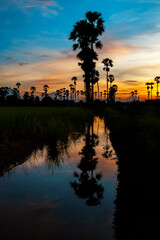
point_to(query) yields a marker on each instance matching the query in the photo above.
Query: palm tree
(111, 79)
(107, 64)
(85, 33)
(112, 93)
(97, 28)
(135, 93)
(132, 95)
(74, 79)
(45, 89)
(18, 85)
(105, 94)
(157, 79)
(95, 95)
(148, 89)
(78, 94)
(67, 94)
(71, 90)
(152, 83)
(33, 90)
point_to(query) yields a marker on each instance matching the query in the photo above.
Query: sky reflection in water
(38, 199)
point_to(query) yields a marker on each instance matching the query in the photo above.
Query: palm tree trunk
(98, 89)
(75, 93)
(157, 91)
(92, 91)
(107, 86)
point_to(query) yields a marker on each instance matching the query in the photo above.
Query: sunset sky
(35, 50)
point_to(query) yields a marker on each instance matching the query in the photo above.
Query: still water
(69, 197)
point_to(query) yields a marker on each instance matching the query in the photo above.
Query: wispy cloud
(49, 7)
(23, 63)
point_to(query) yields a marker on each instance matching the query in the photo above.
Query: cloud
(132, 82)
(10, 59)
(141, 1)
(23, 63)
(44, 56)
(46, 7)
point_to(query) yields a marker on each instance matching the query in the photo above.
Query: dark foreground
(65, 175)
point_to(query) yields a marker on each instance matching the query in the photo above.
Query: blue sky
(35, 49)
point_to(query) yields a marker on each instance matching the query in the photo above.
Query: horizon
(35, 49)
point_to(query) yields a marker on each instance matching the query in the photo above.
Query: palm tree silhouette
(18, 85)
(85, 33)
(112, 93)
(97, 28)
(132, 95)
(33, 90)
(157, 80)
(87, 186)
(72, 89)
(148, 89)
(111, 79)
(107, 64)
(45, 89)
(152, 83)
(74, 79)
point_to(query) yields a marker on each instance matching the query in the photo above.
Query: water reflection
(86, 185)
(47, 195)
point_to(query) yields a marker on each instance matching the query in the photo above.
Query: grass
(25, 129)
(41, 122)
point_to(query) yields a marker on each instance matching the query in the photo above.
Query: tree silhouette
(74, 79)
(3, 93)
(107, 64)
(15, 93)
(86, 185)
(157, 80)
(18, 85)
(112, 93)
(26, 96)
(85, 33)
(148, 89)
(45, 89)
(111, 79)
(152, 83)
(33, 90)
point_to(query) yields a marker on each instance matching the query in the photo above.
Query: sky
(35, 50)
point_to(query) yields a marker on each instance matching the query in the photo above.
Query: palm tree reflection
(86, 185)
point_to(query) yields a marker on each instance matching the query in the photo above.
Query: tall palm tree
(107, 64)
(74, 79)
(71, 90)
(97, 28)
(148, 89)
(157, 80)
(111, 79)
(152, 83)
(85, 33)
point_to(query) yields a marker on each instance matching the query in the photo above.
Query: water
(67, 192)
